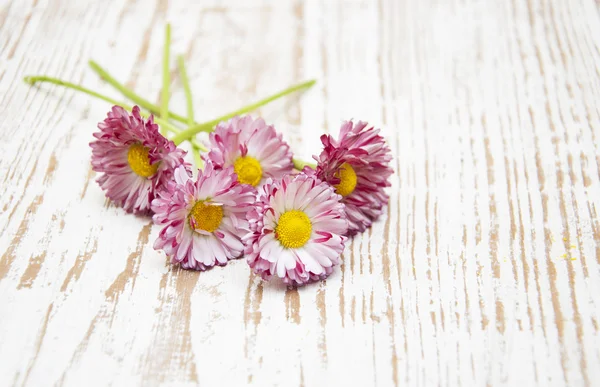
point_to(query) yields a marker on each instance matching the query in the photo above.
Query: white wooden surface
(485, 271)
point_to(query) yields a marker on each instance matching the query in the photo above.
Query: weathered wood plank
(485, 269)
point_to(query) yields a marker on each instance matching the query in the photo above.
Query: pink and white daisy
(202, 220)
(297, 230)
(254, 149)
(134, 159)
(357, 165)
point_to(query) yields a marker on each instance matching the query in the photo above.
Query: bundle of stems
(167, 120)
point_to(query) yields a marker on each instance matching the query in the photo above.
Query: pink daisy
(357, 165)
(253, 148)
(201, 219)
(134, 159)
(297, 230)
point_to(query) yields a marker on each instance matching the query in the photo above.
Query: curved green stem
(164, 124)
(197, 159)
(198, 145)
(300, 164)
(186, 88)
(166, 76)
(32, 80)
(207, 126)
(135, 98)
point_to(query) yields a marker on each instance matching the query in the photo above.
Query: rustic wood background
(484, 271)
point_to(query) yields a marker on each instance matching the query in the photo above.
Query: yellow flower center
(138, 160)
(347, 178)
(205, 217)
(248, 170)
(293, 229)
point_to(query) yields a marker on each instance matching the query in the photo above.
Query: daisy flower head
(357, 166)
(297, 229)
(202, 219)
(134, 159)
(254, 150)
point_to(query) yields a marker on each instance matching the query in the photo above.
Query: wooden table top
(484, 270)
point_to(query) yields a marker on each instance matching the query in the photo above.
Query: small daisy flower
(134, 159)
(297, 230)
(202, 219)
(254, 149)
(357, 165)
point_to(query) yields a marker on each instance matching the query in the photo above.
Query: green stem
(198, 146)
(197, 159)
(207, 126)
(143, 103)
(186, 87)
(32, 80)
(164, 124)
(300, 164)
(164, 96)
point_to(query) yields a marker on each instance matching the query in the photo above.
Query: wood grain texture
(485, 269)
